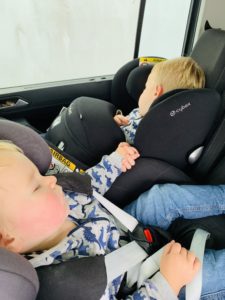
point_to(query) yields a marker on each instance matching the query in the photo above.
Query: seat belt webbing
(124, 258)
(193, 289)
(130, 255)
(124, 218)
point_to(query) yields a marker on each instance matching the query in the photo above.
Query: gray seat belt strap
(123, 259)
(128, 259)
(193, 289)
(149, 266)
(131, 255)
(124, 218)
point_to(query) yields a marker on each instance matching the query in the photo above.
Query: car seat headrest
(209, 52)
(129, 82)
(87, 130)
(18, 279)
(136, 81)
(178, 125)
(33, 145)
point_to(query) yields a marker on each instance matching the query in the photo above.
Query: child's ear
(6, 241)
(158, 90)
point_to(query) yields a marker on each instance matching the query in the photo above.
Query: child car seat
(167, 134)
(212, 59)
(18, 279)
(127, 86)
(80, 130)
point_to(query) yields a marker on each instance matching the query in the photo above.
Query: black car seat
(209, 52)
(166, 138)
(176, 148)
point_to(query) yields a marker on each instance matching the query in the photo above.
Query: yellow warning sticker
(66, 162)
(150, 60)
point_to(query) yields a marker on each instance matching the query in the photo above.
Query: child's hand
(178, 266)
(128, 154)
(121, 120)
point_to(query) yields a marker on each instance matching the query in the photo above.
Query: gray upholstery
(209, 52)
(33, 145)
(18, 279)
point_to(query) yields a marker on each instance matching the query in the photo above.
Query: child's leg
(166, 202)
(213, 281)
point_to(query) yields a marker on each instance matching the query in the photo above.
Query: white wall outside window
(164, 28)
(56, 40)
(51, 40)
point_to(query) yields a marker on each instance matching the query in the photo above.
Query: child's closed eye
(36, 188)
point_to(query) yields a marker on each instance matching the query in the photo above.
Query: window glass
(54, 40)
(164, 27)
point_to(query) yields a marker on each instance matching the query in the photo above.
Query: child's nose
(51, 181)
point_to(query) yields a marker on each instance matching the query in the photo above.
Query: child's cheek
(44, 217)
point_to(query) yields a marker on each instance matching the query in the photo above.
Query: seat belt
(128, 221)
(193, 289)
(130, 255)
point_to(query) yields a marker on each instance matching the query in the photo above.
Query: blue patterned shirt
(130, 129)
(96, 233)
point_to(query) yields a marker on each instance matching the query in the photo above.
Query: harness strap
(130, 257)
(193, 289)
(124, 218)
(123, 259)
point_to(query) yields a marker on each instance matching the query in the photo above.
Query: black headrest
(179, 124)
(87, 130)
(209, 52)
(129, 82)
(136, 81)
(119, 94)
(33, 145)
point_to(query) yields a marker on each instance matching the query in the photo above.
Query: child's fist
(121, 120)
(178, 266)
(128, 154)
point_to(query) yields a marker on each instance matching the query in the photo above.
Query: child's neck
(56, 238)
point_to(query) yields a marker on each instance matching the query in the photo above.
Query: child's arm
(129, 124)
(111, 166)
(178, 267)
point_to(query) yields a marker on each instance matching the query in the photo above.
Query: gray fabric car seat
(18, 279)
(209, 52)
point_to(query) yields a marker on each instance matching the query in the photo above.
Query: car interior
(198, 159)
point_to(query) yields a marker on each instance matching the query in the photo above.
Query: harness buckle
(150, 238)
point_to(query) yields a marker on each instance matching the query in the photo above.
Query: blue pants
(166, 202)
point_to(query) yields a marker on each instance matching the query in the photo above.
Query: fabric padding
(209, 52)
(87, 129)
(178, 125)
(184, 229)
(18, 279)
(136, 81)
(33, 145)
(83, 278)
(146, 172)
(119, 94)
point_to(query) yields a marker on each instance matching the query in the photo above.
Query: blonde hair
(179, 73)
(9, 146)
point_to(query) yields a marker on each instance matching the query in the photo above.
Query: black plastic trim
(191, 27)
(139, 27)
